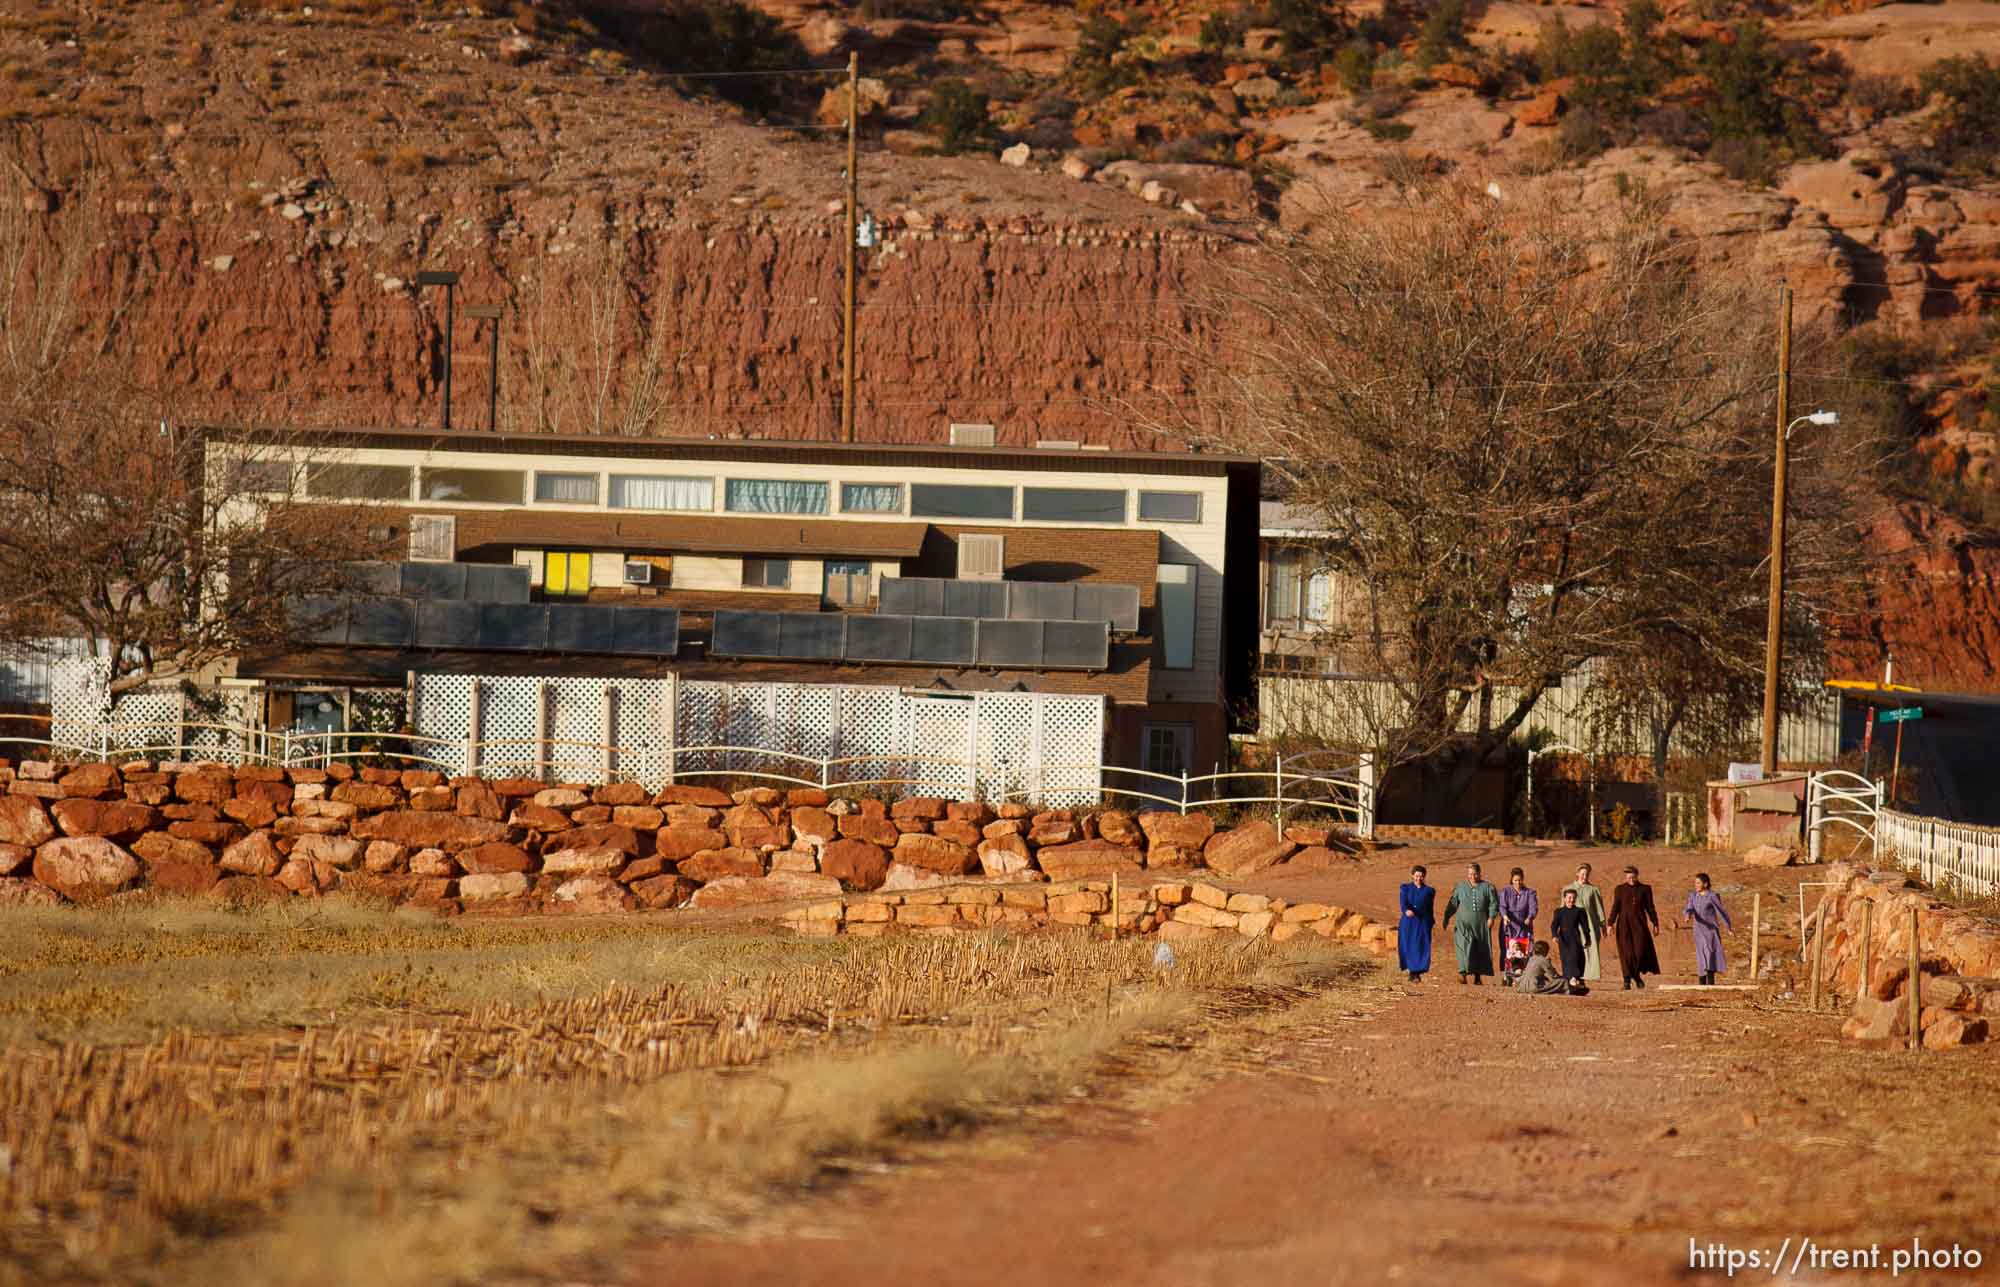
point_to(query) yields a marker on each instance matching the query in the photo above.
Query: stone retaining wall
(93, 831)
(1177, 911)
(1958, 957)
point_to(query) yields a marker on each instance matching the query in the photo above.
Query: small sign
(1904, 715)
(1746, 773)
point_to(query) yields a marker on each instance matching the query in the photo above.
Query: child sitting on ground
(1540, 976)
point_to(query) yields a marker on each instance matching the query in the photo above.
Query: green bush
(956, 114)
(1355, 65)
(706, 36)
(1309, 26)
(1443, 32)
(1967, 138)
(1096, 64)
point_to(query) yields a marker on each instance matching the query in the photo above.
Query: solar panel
(1076, 645)
(812, 636)
(320, 618)
(447, 623)
(943, 641)
(912, 596)
(973, 599)
(1117, 604)
(496, 582)
(514, 627)
(746, 634)
(878, 638)
(373, 578)
(434, 580)
(645, 632)
(579, 628)
(374, 622)
(1014, 644)
(1041, 600)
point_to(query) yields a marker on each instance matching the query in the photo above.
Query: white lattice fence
(585, 730)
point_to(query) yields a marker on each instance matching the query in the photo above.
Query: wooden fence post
(1756, 924)
(1867, 921)
(1916, 986)
(1819, 952)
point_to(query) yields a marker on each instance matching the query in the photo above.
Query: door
(1167, 748)
(847, 582)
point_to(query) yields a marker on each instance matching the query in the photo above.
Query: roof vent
(1055, 444)
(971, 435)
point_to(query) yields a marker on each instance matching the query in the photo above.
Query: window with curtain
(661, 491)
(566, 489)
(773, 496)
(1176, 587)
(1281, 586)
(359, 482)
(871, 498)
(483, 486)
(1319, 595)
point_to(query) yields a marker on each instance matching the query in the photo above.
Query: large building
(769, 555)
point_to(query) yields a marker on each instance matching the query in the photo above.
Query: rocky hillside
(1052, 186)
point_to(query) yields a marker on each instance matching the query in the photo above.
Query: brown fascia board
(671, 534)
(765, 450)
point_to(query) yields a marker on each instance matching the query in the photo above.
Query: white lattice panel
(871, 733)
(1006, 744)
(216, 724)
(940, 742)
(512, 710)
(1071, 740)
(79, 700)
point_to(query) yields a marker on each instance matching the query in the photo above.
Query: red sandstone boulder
(935, 853)
(1088, 858)
(677, 843)
(184, 878)
(246, 891)
(707, 797)
(1250, 847)
(250, 813)
(247, 773)
(538, 817)
(963, 832)
(487, 887)
(663, 891)
(420, 779)
(205, 833)
(514, 788)
(602, 835)
(644, 869)
(875, 830)
(976, 812)
(1187, 830)
(254, 855)
(590, 896)
(1004, 855)
(715, 864)
(495, 858)
(432, 798)
(205, 786)
(447, 831)
(27, 893)
(1944, 1029)
(13, 856)
(1054, 829)
(23, 821)
(591, 860)
(84, 869)
(116, 819)
(335, 851)
(364, 795)
(276, 794)
(759, 795)
(158, 847)
(639, 817)
(1120, 828)
(433, 864)
(617, 793)
(742, 891)
(748, 826)
(855, 863)
(918, 808)
(475, 798)
(93, 781)
(806, 798)
(1315, 857)
(814, 822)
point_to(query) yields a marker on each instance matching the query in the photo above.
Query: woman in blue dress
(1413, 927)
(1708, 918)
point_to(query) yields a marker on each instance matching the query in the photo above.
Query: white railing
(1965, 855)
(1836, 797)
(1313, 782)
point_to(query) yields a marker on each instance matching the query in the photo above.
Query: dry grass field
(338, 1094)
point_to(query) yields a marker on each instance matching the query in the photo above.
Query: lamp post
(448, 280)
(1774, 622)
(490, 313)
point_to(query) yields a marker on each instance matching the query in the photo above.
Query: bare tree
(600, 357)
(1536, 439)
(116, 524)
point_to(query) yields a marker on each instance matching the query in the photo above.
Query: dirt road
(1454, 1135)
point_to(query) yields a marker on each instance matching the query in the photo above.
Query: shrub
(1443, 31)
(1355, 65)
(920, 10)
(1309, 26)
(956, 114)
(1755, 98)
(1096, 63)
(409, 160)
(706, 36)
(1968, 133)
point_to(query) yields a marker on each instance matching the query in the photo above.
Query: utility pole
(853, 204)
(1774, 624)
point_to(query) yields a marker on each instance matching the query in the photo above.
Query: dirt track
(1458, 1134)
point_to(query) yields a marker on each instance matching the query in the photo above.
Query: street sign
(1900, 716)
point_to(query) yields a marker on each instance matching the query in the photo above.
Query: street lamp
(1775, 620)
(448, 280)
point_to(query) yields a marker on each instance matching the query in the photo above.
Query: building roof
(934, 454)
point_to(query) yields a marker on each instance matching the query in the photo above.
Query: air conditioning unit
(638, 574)
(982, 557)
(963, 435)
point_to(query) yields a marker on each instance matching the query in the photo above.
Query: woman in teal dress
(1477, 905)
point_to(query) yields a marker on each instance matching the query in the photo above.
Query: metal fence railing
(1298, 784)
(1958, 853)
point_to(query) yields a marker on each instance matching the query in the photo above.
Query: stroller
(1514, 957)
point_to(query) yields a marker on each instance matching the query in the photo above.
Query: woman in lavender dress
(1518, 908)
(1708, 918)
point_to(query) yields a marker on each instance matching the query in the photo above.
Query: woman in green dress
(1591, 899)
(1477, 905)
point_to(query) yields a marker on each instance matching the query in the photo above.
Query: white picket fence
(1959, 853)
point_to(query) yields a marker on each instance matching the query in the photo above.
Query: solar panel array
(382, 621)
(902, 638)
(471, 582)
(933, 596)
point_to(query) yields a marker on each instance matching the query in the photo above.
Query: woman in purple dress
(1706, 915)
(1518, 908)
(1413, 927)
